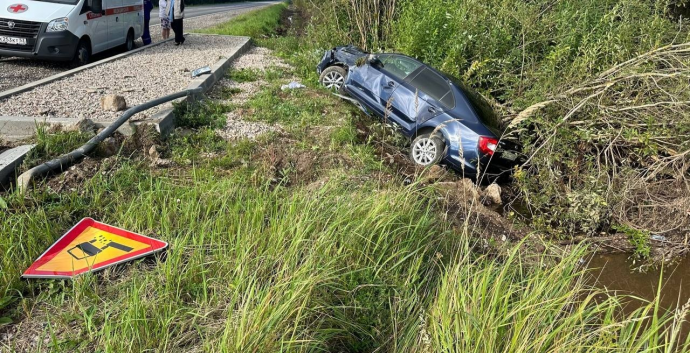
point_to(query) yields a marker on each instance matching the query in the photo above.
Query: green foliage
(639, 239)
(201, 114)
(523, 51)
(244, 75)
(52, 144)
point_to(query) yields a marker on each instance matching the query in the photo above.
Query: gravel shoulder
(141, 77)
(259, 59)
(17, 72)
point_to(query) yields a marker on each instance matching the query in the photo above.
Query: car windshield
(480, 105)
(65, 2)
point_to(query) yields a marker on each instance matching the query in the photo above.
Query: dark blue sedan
(447, 122)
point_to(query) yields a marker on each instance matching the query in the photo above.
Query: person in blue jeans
(146, 37)
(175, 11)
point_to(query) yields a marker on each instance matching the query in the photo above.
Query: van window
(435, 86)
(66, 2)
(95, 6)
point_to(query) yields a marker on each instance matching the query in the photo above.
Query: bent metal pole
(24, 180)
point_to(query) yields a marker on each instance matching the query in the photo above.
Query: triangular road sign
(91, 246)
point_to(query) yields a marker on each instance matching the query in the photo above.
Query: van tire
(82, 55)
(129, 42)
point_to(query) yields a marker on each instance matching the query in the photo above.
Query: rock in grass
(493, 194)
(113, 103)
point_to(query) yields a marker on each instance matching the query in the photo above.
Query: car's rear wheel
(427, 149)
(334, 78)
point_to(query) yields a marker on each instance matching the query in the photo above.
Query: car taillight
(487, 145)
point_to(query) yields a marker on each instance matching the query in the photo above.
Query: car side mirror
(374, 60)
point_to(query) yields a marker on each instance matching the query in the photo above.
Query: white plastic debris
(292, 85)
(658, 237)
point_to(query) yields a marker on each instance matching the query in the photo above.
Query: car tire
(82, 55)
(129, 42)
(333, 78)
(427, 150)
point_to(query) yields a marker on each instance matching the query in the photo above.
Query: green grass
(269, 256)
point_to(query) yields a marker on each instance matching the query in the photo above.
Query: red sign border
(33, 272)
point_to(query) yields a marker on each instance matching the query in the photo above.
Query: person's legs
(179, 35)
(177, 28)
(165, 28)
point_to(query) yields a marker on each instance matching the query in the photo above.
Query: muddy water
(616, 272)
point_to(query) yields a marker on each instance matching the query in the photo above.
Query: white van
(64, 30)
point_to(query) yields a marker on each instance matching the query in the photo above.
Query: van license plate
(12, 40)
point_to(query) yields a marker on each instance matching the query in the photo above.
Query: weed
(244, 75)
(639, 239)
(201, 114)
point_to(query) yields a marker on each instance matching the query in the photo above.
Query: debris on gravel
(141, 77)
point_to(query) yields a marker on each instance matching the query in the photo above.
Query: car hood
(38, 11)
(348, 55)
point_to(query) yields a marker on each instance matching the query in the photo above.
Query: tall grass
(252, 268)
(352, 263)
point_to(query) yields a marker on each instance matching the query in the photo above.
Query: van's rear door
(116, 22)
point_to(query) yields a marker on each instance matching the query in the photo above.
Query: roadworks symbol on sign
(91, 246)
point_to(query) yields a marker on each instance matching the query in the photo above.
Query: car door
(364, 83)
(405, 103)
(97, 24)
(116, 20)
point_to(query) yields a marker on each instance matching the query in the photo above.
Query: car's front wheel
(82, 55)
(334, 78)
(427, 149)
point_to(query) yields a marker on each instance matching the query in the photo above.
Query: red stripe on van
(121, 10)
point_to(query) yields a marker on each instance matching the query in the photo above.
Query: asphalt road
(202, 10)
(15, 72)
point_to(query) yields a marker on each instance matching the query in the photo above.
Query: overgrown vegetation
(304, 240)
(601, 87)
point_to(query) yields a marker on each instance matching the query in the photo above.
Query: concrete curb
(10, 160)
(32, 85)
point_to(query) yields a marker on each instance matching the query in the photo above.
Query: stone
(492, 193)
(468, 188)
(83, 125)
(153, 153)
(113, 103)
(109, 146)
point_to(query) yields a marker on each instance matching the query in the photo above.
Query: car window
(433, 85)
(480, 106)
(398, 65)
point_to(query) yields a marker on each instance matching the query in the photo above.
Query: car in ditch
(445, 120)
